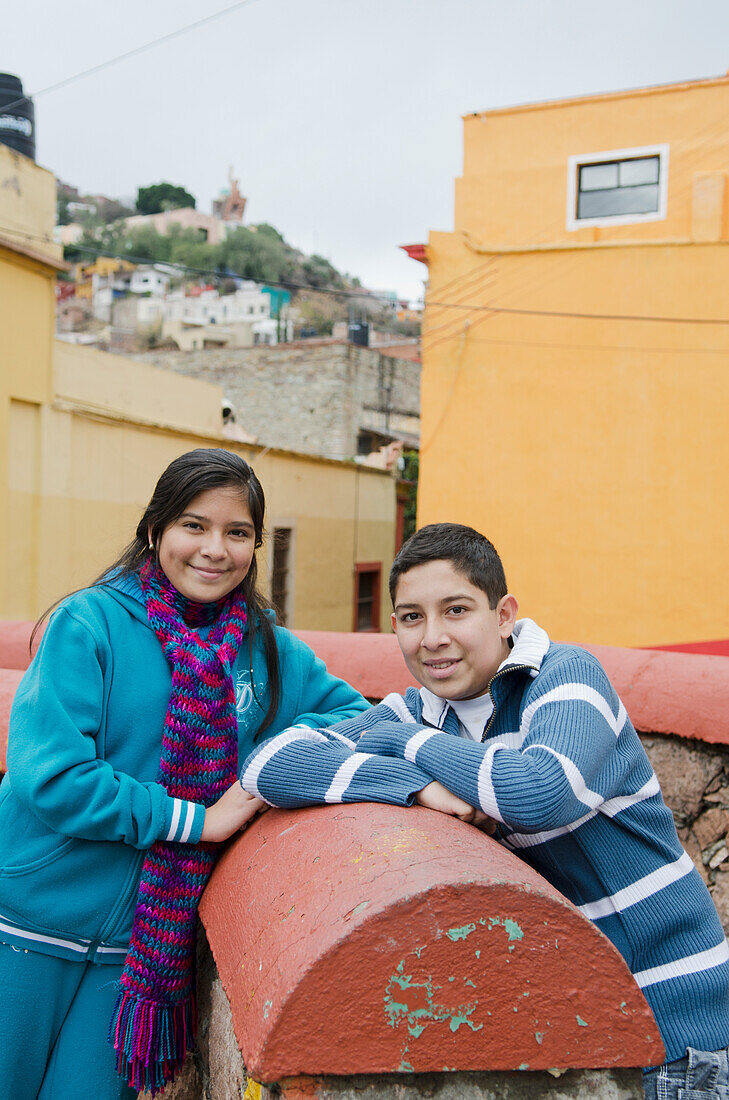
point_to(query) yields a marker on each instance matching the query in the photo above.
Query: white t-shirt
(473, 714)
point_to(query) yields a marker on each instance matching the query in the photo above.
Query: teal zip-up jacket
(80, 803)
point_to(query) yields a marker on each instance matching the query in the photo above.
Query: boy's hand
(437, 797)
(233, 810)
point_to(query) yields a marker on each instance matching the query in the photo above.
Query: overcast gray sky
(342, 120)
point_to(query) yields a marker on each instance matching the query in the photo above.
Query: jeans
(701, 1075)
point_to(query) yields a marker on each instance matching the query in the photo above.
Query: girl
(125, 736)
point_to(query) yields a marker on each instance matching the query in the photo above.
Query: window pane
(367, 599)
(620, 200)
(596, 177)
(641, 170)
(280, 572)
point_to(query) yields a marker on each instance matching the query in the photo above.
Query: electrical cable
(538, 279)
(481, 285)
(129, 53)
(591, 316)
(229, 273)
(424, 447)
(469, 307)
(549, 344)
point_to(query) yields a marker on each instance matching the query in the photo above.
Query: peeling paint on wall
(460, 933)
(415, 1004)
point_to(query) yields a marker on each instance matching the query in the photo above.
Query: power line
(647, 348)
(585, 316)
(470, 308)
(213, 273)
(216, 273)
(130, 53)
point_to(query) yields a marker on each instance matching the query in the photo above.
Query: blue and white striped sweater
(563, 772)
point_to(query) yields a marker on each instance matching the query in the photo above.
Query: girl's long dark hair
(185, 478)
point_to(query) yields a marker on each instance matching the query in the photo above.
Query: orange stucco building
(575, 389)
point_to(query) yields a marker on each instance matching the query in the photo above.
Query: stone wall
(694, 778)
(215, 1070)
(695, 781)
(310, 397)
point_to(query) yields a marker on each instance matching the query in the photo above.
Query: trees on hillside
(159, 197)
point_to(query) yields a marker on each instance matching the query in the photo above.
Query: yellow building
(575, 388)
(86, 434)
(104, 267)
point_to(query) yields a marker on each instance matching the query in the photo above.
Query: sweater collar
(530, 647)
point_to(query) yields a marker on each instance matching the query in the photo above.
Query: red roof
(416, 252)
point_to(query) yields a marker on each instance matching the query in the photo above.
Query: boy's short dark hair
(468, 551)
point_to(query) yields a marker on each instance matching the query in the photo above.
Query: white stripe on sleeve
(341, 738)
(485, 786)
(286, 737)
(613, 806)
(176, 811)
(398, 706)
(610, 808)
(690, 964)
(188, 822)
(416, 742)
(622, 717)
(573, 692)
(343, 776)
(573, 775)
(640, 890)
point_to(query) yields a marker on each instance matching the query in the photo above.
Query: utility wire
(550, 344)
(587, 316)
(208, 272)
(216, 273)
(443, 305)
(471, 308)
(129, 53)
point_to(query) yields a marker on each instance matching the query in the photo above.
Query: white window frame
(578, 161)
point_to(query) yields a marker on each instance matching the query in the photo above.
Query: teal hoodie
(81, 803)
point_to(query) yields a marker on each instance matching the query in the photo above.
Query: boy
(510, 727)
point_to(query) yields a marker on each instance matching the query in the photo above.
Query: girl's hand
(233, 810)
(437, 797)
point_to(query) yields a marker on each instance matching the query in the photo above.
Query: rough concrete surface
(685, 770)
(310, 398)
(186, 1086)
(401, 940)
(694, 779)
(624, 1084)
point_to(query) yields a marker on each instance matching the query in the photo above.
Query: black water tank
(17, 116)
(359, 333)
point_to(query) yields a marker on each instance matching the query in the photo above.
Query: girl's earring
(151, 546)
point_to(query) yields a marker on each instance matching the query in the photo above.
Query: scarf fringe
(151, 1040)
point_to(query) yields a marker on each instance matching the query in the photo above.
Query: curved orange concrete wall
(663, 692)
(9, 680)
(376, 939)
(14, 643)
(684, 694)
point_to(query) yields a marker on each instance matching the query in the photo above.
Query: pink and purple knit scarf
(154, 1020)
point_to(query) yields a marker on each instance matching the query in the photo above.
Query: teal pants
(54, 1021)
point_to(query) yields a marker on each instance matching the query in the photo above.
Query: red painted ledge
(14, 642)
(376, 939)
(663, 692)
(666, 692)
(719, 647)
(9, 680)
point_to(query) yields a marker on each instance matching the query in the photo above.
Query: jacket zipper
(504, 671)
